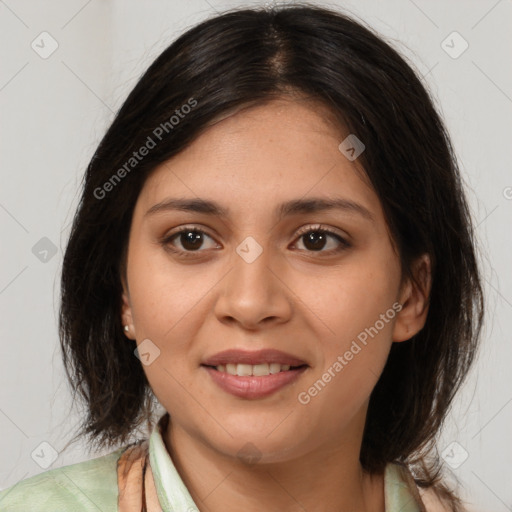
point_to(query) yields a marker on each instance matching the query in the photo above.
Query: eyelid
(322, 227)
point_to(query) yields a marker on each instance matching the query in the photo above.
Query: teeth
(245, 370)
(261, 369)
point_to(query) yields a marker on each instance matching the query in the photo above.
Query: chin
(254, 446)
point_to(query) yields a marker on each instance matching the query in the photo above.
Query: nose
(254, 292)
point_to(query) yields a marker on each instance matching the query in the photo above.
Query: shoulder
(82, 487)
(432, 502)
(427, 498)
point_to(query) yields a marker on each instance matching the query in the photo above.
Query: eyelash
(166, 241)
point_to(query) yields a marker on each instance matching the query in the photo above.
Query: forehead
(259, 155)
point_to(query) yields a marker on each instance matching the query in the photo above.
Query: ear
(414, 297)
(126, 312)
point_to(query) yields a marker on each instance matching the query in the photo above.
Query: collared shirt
(93, 485)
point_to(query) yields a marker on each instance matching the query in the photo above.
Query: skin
(306, 302)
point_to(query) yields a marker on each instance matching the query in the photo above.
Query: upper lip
(268, 355)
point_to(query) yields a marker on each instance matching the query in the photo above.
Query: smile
(258, 370)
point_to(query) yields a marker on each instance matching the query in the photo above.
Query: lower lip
(253, 387)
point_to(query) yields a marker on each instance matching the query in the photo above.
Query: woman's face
(264, 276)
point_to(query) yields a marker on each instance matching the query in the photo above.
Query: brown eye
(316, 239)
(190, 240)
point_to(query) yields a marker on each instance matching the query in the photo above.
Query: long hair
(248, 57)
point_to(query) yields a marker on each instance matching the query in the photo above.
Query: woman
(274, 242)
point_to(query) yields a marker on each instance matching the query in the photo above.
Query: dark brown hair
(249, 57)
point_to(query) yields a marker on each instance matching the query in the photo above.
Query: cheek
(350, 369)
(168, 309)
(170, 303)
(355, 307)
(166, 296)
(351, 297)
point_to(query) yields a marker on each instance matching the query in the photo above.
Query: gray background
(54, 111)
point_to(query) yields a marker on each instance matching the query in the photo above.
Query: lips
(234, 356)
(254, 387)
(253, 374)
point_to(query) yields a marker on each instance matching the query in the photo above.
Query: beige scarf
(137, 491)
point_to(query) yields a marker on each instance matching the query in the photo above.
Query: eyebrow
(289, 208)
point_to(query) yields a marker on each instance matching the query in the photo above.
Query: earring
(126, 328)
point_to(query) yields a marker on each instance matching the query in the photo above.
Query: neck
(324, 479)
